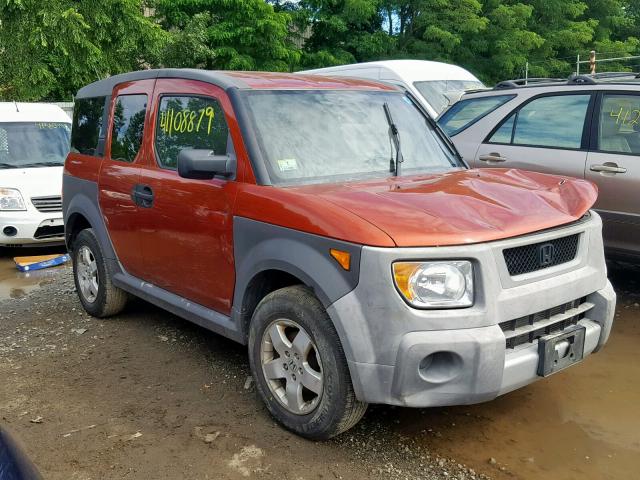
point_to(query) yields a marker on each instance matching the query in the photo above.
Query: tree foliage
(50, 49)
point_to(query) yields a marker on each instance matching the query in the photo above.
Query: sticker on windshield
(287, 164)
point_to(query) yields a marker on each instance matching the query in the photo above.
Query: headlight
(11, 200)
(435, 284)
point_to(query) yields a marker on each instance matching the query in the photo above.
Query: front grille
(536, 256)
(49, 231)
(47, 204)
(530, 328)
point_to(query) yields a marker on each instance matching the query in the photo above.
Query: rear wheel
(300, 368)
(96, 291)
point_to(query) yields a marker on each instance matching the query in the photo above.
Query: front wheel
(98, 295)
(299, 365)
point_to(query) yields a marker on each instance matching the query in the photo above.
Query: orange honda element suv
(331, 226)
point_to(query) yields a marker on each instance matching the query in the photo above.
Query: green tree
(48, 50)
(344, 31)
(227, 34)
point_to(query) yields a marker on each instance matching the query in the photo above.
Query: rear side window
(467, 112)
(619, 125)
(189, 122)
(88, 115)
(552, 121)
(128, 127)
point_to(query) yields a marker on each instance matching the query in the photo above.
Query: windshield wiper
(8, 165)
(394, 134)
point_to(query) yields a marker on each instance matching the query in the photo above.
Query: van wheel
(98, 295)
(300, 368)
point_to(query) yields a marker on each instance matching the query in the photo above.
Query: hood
(33, 182)
(462, 207)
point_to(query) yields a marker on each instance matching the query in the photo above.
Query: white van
(34, 142)
(436, 85)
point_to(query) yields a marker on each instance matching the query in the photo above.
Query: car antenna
(395, 136)
(16, 104)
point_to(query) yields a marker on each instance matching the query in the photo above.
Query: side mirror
(201, 164)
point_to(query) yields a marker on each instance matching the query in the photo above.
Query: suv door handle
(142, 195)
(492, 157)
(608, 167)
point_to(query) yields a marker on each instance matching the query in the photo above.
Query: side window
(128, 127)
(504, 134)
(619, 125)
(189, 122)
(88, 114)
(467, 112)
(555, 121)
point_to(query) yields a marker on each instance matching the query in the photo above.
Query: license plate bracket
(560, 350)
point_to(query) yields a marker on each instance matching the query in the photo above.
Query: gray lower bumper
(402, 356)
(466, 366)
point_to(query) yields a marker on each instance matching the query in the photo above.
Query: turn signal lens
(435, 284)
(343, 258)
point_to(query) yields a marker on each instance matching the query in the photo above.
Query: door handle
(142, 195)
(492, 157)
(608, 167)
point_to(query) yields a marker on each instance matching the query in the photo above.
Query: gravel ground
(148, 395)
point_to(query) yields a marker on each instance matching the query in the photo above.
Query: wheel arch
(81, 210)
(270, 257)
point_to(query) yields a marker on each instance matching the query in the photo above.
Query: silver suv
(586, 127)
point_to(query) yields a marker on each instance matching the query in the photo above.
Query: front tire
(299, 365)
(97, 293)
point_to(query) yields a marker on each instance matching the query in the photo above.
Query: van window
(553, 121)
(467, 112)
(619, 126)
(33, 144)
(189, 122)
(442, 93)
(88, 114)
(128, 127)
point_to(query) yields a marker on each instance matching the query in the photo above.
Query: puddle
(580, 423)
(15, 284)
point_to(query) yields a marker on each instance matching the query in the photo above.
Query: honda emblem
(546, 253)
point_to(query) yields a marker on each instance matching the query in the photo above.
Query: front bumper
(32, 228)
(404, 356)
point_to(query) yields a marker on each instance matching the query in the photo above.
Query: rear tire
(299, 365)
(97, 293)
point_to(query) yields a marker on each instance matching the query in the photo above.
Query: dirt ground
(146, 395)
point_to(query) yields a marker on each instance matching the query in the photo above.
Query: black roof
(104, 87)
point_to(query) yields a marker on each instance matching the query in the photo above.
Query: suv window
(619, 126)
(87, 125)
(128, 126)
(189, 122)
(467, 112)
(552, 121)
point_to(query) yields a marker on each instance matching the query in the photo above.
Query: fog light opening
(440, 367)
(10, 231)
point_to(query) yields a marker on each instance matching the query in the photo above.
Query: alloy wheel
(87, 273)
(292, 366)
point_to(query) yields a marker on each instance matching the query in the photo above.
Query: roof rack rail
(615, 74)
(581, 80)
(521, 82)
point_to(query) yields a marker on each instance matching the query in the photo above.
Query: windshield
(329, 136)
(442, 93)
(33, 144)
